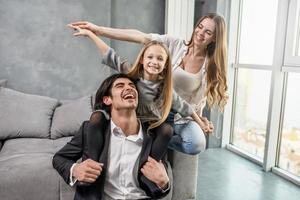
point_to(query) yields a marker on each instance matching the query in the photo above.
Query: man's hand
(156, 172)
(86, 25)
(87, 171)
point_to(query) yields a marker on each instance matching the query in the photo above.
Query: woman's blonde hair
(217, 63)
(166, 76)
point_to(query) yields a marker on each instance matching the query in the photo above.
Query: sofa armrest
(185, 173)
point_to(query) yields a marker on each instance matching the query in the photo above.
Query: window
(254, 62)
(289, 157)
(265, 114)
(257, 31)
(252, 99)
(293, 35)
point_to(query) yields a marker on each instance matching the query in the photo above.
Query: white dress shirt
(122, 166)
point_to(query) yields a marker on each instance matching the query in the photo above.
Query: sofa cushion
(29, 176)
(21, 146)
(25, 115)
(3, 82)
(69, 116)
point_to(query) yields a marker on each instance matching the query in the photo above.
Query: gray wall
(203, 7)
(145, 15)
(39, 55)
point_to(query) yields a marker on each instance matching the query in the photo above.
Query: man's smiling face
(124, 95)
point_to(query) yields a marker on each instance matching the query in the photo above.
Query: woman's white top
(190, 86)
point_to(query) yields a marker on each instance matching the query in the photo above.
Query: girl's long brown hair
(217, 63)
(166, 75)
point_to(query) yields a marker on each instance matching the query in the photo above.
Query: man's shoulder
(88, 126)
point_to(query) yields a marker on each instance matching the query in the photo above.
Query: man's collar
(118, 131)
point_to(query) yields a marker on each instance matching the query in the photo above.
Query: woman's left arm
(201, 123)
(208, 123)
(185, 109)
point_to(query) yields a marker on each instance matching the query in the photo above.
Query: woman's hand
(204, 124)
(102, 46)
(208, 125)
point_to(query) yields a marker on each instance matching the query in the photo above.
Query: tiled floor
(224, 175)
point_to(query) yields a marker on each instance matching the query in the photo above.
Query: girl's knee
(165, 130)
(97, 117)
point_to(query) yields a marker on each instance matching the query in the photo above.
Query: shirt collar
(117, 131)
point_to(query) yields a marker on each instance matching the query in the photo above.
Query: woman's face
(204, 33)
(154, 61)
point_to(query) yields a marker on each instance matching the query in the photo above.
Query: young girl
(152, 71)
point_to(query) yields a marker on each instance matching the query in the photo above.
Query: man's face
(124, 95)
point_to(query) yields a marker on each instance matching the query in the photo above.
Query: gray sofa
(33, 128)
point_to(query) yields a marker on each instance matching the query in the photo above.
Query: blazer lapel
(146, 148)
(104, 153)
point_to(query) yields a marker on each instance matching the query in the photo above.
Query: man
(121, 145)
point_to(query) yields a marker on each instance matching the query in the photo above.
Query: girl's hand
(86, 25)
(80, 31)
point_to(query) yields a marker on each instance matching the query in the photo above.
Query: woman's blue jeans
(188, 138)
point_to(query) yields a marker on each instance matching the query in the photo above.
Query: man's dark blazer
(79, 147)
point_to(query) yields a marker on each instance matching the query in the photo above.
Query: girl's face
(205, 32)
(153, 61)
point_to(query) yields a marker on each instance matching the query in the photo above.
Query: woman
(199, 73)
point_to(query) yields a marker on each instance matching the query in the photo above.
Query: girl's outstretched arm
(110, 57)
(130, 35)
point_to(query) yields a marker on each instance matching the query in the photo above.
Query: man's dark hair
(105, 90)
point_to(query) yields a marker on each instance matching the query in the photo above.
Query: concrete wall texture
(39, 55)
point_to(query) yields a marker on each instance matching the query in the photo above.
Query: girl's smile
(154, 61)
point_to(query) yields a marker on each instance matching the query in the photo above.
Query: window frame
(293, 31)
(279, 68)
